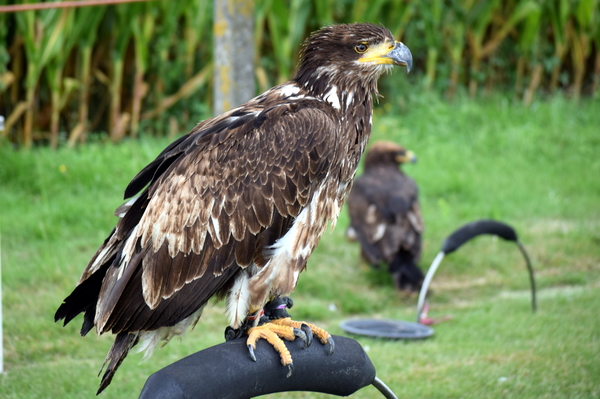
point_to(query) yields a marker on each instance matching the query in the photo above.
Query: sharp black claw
(309, 334)
(331, 345)
(251, 350)
(302, 335)
(290, 370)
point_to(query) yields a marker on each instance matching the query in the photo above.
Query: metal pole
(432, 269)
(233, 30)
(531, 276)
(384, 389)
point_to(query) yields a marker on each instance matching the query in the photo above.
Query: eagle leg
(276, 312)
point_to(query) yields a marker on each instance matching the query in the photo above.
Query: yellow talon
(273, 334)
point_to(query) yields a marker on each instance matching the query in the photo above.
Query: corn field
(145, 68)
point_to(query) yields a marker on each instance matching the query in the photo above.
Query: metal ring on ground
(393, 329)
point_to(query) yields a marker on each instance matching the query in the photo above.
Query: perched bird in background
(235, 208)
(385, 216)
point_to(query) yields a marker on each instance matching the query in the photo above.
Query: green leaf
(584, 13)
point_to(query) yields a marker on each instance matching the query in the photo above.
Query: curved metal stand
(531, 275)
(226, 371)
(425, 286)
(384, 389)
(466, 233)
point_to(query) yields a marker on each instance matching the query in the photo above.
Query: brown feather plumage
(385, 215)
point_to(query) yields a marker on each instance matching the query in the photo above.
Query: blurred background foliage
(145, 68)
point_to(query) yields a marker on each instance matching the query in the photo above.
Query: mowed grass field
(537, 169)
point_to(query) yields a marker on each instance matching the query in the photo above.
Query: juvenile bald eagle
(235, 207)
(385, 216)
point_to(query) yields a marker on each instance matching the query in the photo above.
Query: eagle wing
(213, 201)
(385, 214)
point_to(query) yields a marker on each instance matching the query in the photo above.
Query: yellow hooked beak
(389, 53)
(409, 156)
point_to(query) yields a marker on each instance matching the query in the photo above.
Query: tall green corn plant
(166, 38)
(121, 36)
(529, 52)
(480, 17)
(198, 18)
(42, 37)
(324, 11)
(559, 12)
(181, 73)
(9, 77)
(596, 40)
(453, 31)
(6, 76)
(432, 18)
(287, 24)
(142, 26)
(581, 41)
(367, 11)
(396, 15)
(198, 35)
(261, 10)
(85, 30)
(60, 88)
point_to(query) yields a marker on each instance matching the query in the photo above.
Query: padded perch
(226, 371)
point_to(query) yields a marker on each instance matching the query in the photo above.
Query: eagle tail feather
(82, 300)
(369, 251)
(406, 272)
(118, 351)
(154, 168)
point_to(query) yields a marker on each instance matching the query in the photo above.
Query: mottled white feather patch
(284, 247)
(238, 300)
(371, 215)
(332, 97)
(349, 99)
(122, 210)
(286, 259)
(128, 250)
(217, 228)
(379, 232)
(289, 90)
(150, 339)
(108, 251)
(296, 275)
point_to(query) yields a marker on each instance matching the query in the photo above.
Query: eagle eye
(361, 48)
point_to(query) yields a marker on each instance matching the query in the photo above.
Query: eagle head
(340, 54)
(388, 153)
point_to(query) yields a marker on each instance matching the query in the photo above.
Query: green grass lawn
(537, 169)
